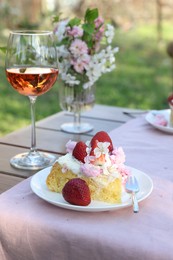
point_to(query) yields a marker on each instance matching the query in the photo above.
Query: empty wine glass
(31, 69)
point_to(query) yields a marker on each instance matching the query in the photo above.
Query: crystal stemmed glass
(76, 100)
(31, 69)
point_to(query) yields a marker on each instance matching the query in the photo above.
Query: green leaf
(74, 22)
(88, 28)
(91, 15)
(65, 41)
(3, 49)
(56, 19)
(88, 39)
(90, 44)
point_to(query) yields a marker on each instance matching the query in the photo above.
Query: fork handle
(135, 203)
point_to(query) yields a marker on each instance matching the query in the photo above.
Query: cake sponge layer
(102, 188)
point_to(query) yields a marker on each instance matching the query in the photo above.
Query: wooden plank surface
(56, 122)
(47, 140)
(7, 152)
(50, 138)
(98, 112)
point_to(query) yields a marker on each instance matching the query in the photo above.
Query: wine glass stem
(33, 132)
(77, 119)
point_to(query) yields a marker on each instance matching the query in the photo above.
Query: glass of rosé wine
(31, 68)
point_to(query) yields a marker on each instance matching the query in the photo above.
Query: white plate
(38, 186)
(150, 117)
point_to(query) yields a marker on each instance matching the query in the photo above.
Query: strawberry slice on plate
(76, 192)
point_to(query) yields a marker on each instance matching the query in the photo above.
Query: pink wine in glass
(31, 68)
(31, 81)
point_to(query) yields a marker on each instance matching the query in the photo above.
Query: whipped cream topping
(109, 172)
(102, 167)
(69, 162)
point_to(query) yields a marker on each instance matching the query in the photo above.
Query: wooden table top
(50, 138)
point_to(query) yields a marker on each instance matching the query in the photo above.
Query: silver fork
(132, 187)
(134, 114)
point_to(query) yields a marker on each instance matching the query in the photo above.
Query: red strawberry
(102, 137)
(76, 192)
(79, 152)
(170, 100)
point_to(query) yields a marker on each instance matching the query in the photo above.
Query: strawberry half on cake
(96, 162)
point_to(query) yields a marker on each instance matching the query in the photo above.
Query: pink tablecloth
(31, 228)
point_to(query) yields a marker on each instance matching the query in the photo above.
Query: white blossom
(102, 148)
(76, 59)
(69, 79)
(62, 51)
(109, 33)
(60, 29)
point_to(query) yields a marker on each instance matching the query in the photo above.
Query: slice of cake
(97, 162)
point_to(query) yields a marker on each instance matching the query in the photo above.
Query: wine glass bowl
(31, 69)
(76, 100)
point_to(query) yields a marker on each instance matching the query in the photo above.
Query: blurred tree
(163, 8)
(159, 9)
(31, 10)
(123, 13)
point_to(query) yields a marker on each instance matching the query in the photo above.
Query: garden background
(143, 78)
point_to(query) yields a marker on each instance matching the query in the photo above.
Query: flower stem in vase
(77, 110)
(76, 99)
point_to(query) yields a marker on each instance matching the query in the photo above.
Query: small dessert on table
(170, 102)
(98, 164)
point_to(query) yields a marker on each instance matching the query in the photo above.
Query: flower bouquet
(85, 53)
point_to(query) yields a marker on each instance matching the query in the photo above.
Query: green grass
(141, 80)
(143, 75)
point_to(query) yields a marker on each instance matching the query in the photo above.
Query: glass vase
(75, 99)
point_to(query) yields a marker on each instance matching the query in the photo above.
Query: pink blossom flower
(90, 170)
(98, 22)
(99, 25)
(75, 31)
(118, 156)
(64, 168)
(78, 48)
(124, 173)
(160, 120)
(98, 36)
(79, 67)
(70, 145)
(80, 63)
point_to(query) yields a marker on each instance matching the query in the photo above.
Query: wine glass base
(76, 129)
(33, 161)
